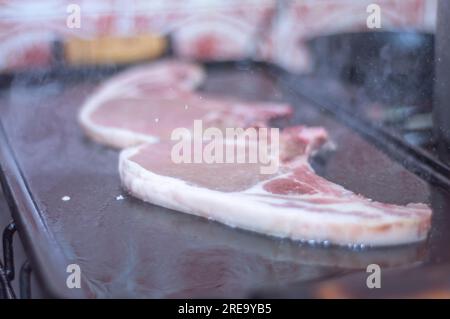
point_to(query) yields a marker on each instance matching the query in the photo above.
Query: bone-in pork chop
(294, 202)
(146, 104)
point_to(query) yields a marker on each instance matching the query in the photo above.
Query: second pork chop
(147, 103)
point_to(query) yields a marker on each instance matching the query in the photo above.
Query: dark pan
(391, 66)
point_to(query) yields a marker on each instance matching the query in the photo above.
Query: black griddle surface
(127, 248)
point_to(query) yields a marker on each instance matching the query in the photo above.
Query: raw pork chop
(136, 84)
(294, 202)
(147, 104)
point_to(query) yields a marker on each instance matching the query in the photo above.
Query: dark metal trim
(8, 251)
(25, 280)
(28, 217)
(6, 291)
(441, 109)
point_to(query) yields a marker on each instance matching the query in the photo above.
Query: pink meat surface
(146, 104)
(294, 202)
(159, 115)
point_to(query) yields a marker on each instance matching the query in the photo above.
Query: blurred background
(271, 30)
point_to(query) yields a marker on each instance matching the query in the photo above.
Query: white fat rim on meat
(115, 137)
(240, 209)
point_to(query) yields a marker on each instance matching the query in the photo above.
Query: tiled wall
(215, 29)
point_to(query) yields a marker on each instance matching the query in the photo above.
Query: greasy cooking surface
(127, 248)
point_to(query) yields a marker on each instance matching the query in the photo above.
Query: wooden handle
(109, 50)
